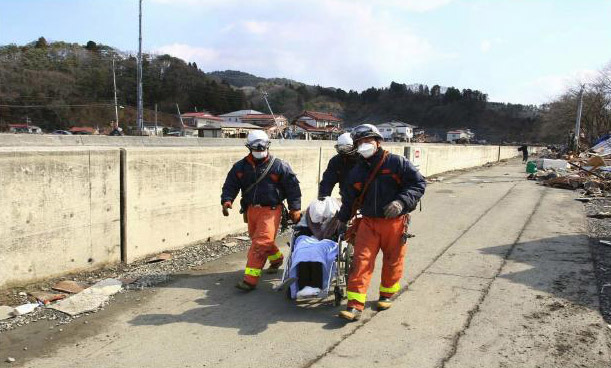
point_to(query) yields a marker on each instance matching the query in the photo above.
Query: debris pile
(83, 299)
(589, 171)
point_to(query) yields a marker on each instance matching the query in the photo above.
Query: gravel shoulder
(136, 276)
(600, 229)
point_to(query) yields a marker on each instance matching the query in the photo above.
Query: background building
(460, 134)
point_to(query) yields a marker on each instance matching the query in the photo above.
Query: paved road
(499, 274)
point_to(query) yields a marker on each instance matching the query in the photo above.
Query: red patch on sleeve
(385, 171)
(275, 177)
(397, 178)
(239, 174)
(358, 186)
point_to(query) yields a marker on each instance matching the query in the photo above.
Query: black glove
(226, 207)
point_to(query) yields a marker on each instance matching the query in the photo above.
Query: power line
(51, 106)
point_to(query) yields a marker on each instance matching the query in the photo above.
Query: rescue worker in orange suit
(338, 167)
(392, 194)
(261, 203)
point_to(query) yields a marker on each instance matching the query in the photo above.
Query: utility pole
(182, 129)
(274, 117)
(155, 119)
(578, 122)
(114, 83)
(140, 117)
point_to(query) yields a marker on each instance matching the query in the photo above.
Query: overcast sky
(520, 51)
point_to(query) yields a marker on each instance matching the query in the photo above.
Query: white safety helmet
(257, 140)
(344, 144)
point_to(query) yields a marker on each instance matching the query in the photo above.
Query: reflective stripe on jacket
(397, 179)
(279, 184)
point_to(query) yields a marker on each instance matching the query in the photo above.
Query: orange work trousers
(263, 224)
(375, 234)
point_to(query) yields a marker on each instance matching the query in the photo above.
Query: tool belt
(244, 210)
(350, 235)
(406, 235)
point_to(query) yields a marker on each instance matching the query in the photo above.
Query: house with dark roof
(316, 125)
(319, 119)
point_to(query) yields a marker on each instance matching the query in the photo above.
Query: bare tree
(559, 115)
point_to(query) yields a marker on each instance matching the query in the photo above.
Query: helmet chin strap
(352, 152)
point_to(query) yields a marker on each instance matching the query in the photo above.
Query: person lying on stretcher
(315, 248)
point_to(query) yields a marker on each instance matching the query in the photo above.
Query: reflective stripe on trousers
(375, 234)
(393, 289)
(256, 272)
(263, 224)
(361, 298)
(275, 257)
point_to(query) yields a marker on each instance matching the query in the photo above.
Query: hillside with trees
(67, 84)
(417, 104)
(57, 85)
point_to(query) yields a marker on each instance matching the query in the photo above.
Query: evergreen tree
(41, 43)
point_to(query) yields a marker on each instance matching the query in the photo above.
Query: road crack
(471, 314)
(457, 275)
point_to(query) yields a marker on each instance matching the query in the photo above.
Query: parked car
(61, 132)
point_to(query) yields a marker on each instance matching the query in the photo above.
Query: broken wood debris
(68, 286)
(46, 297)
(160, 257)
(585, 171)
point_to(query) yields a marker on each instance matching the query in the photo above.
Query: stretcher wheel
(339, 295)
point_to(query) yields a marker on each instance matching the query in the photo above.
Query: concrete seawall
(61, 207)
(59, 211)
(173, 194)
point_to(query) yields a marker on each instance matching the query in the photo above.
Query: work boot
(273, 268)
(350, 314)
(384, 303)
(243, 285)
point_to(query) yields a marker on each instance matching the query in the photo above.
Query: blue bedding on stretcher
(310, 249)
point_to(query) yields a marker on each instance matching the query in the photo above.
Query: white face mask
(259, 155)
(366, 149)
